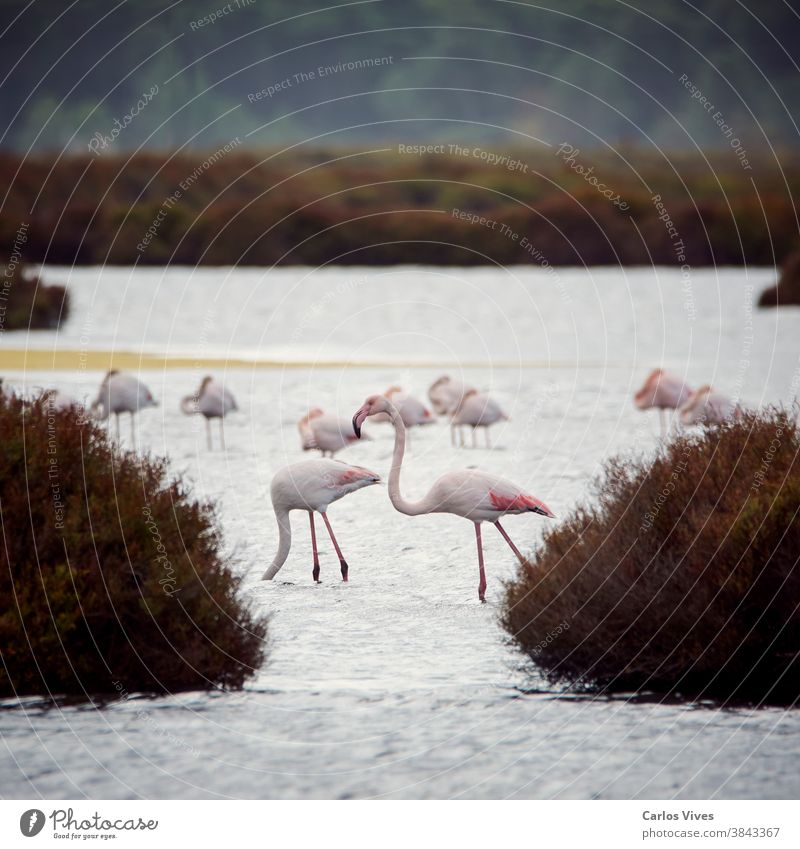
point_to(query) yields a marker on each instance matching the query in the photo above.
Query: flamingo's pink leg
(342, 561)
(482, 582)
(507, 538)
(315, 571)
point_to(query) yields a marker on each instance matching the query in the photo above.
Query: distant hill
(275, 72)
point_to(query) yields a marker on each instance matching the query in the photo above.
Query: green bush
(111, 577)
(682, 578)
(28, 304)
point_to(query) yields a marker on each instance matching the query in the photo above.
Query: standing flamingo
(122, 393)
(663, 391)
(445, 395)
(476, 410)
(213, 401)
(477, 496)
(312, 485)
(705, 406)
(324, 432)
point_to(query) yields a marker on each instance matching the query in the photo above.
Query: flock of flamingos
(313, 485)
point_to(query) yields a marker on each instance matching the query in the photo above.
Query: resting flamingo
(213, 401)
(477, 496)
(312, 485)
(663, 391)
(476, 410)
(122, 393)
(705, 406)
(445, 395)
(324, 432)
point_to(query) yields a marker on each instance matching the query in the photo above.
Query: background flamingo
(445, 395)
(122, 393)
(477, 496)
(312, 485)
(324, 432)
(663, 391)
(413, 412)
(213, 401)
(475, 410)
(705, 406)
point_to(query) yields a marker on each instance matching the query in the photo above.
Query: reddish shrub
(111, 577)
(682, 578)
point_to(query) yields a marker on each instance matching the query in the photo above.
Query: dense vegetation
(26, 302)
(304, 208)
(683, 577)
(786, 292)
(557, 71)
(111, 580)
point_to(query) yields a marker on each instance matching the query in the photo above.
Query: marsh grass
(112, 577)
(29, 303)
(681, 577)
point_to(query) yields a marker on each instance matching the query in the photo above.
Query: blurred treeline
(582, 71)
(312, 207)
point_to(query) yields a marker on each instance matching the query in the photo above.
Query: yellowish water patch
(32, 359)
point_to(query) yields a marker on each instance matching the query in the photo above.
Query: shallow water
(400, 683)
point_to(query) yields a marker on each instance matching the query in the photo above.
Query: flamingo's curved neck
(284, 543)
(410, 508)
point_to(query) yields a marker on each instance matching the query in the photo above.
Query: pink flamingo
(477, 496)
(312, 485)
(445, 395)
(475, 410)
(324, 432)
(708, 407)
(413, 412)
(663, 391)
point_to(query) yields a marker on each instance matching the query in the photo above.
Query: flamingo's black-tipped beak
(358, 420)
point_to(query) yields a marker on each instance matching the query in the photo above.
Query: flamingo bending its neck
(477, 496)
(213, 401)
(122, 393)
(312, 485)
(446, 394)
(477, 409)
(324, 432)
(705, 406)
(662, 391)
